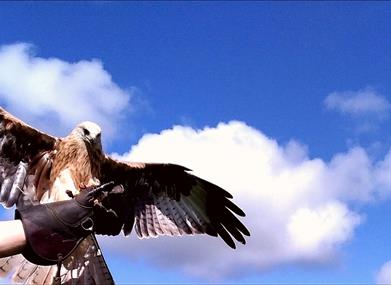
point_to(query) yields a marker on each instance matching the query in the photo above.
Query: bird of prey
(157, 199)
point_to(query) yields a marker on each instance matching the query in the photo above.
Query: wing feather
(155, 218)
(164, 223)
(17, 186)
(24, 272)
(8, 263)
(198, 226)
(150, 221)
(141, 221)
(170, 218)
(201, 215)
(6, 189)
(234, 208)
(166, 199)
(185, 218)
(137, 226)
(46, 277)
(233, 230)
(180, 218)
(20, 144)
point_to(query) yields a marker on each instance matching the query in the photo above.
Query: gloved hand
(54, 230)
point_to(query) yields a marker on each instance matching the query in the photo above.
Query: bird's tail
(86, 266)
(25, 272)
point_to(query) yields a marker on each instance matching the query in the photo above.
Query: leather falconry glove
(54, 230)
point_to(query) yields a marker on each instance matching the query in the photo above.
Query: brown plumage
(158, 199)
(44, 167)
(72, 153)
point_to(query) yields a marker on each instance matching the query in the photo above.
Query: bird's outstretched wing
(24, 157)
(166, 199)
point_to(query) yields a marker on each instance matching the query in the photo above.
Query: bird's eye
(86, 132)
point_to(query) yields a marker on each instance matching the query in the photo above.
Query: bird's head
(89, 132)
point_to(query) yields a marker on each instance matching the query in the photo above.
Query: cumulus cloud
(362, 102)
(298, 208)
(65, 93)
(384, 274)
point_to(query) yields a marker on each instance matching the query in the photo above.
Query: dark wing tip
(226, 237)
(221, 211)
(245, 231)
(233, 207)
(210, 187)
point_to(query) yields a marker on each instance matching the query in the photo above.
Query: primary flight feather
(156, 199)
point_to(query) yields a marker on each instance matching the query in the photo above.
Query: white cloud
(49, 89)
(362, 102)
(384, 274)
(382, 177)
(298, 208)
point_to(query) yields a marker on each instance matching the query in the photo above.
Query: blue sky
(285, 104)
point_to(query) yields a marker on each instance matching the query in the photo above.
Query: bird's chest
(67, 181)
(72, 170)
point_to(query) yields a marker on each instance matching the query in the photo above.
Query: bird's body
(158, 199)
(75, 162)
(51, 173)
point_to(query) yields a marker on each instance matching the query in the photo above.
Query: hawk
(157, 199)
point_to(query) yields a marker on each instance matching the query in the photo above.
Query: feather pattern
(25, 272)
(162, 220)
(188, 217)
(170, 219)
(168, 200)
(197, 225)
(155, 220)
(7, 264)
(17, 186)
(182, 218)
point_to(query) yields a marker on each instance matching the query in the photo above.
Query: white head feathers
(88, 131)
